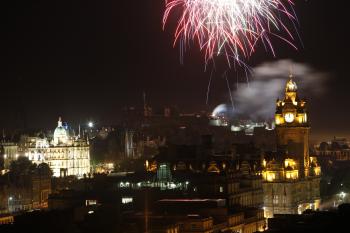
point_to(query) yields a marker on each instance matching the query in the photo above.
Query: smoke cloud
(257, 100)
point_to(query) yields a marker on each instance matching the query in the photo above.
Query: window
(284, 199)
(126, 200)
(90, 202)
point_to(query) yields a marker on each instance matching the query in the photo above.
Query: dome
(221, 110)
(60, 134)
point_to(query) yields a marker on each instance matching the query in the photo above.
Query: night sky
(88, 59)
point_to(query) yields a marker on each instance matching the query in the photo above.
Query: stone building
(25, 187)
(291, 177)
(9, 153)
(337, 149)
(66, 154)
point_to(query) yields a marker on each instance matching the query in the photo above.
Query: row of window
(81, 163)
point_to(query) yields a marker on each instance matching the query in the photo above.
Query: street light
(342, 195)
(91, 124)
(8, 203)
(186, 184)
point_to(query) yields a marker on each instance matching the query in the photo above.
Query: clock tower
(291, 177)
(292, 127)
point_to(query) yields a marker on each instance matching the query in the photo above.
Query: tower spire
(79, 131)
(290, 72)
(59, 123)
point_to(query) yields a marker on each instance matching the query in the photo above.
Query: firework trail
(209, 83)
(229, 89)
(231, 28)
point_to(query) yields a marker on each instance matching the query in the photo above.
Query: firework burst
(230, 27)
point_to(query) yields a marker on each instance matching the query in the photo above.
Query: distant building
(249, 127)
(6, 219)
(312, 221)
(291, 177)
(129, 144)
(9, 153)
(210, 215)
(65, 154)
(337, 149)
(26, 191)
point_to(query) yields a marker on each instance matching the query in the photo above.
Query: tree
(44, 169)
(19, 171)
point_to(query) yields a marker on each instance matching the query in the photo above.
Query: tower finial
(290, 71)
(59, 123)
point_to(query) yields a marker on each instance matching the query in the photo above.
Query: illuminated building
(6, 219)
(65, 154)
(129, 144)
(104, 168)
(291, 177)
(248, 126)
(9, 153)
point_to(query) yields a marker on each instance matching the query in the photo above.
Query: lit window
(126, 200)
(90, 202)
(271, 176)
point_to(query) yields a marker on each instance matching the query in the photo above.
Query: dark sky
(86, 59)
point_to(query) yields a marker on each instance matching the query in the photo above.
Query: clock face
(289, 117)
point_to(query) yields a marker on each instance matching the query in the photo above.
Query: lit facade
(66, 155)
(291, 177)
(9, 153)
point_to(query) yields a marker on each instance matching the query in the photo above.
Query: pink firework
(230, 27)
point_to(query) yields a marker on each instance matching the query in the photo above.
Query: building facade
(67, 155)
(9, 153)
(291, 177)
(33, 195)
(338, 149)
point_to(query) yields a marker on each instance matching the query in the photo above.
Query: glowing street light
(91, 124)
(342, 195)
(8, 203)
(186, 184)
